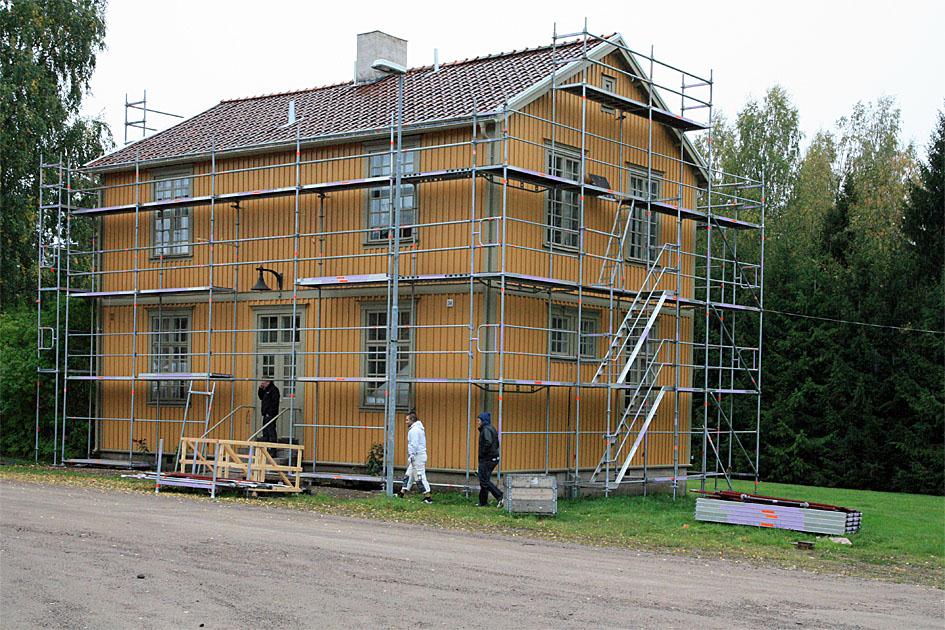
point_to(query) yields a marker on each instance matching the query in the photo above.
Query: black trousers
(269, 433)
(485, 481)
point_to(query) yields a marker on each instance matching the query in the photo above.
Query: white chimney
(377, 45)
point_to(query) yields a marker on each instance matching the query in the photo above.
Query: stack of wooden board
(739, 508)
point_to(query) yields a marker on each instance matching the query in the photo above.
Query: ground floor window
(374, 365)
(563, 328)
(170, 353)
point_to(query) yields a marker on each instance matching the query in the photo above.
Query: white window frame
(172, 228)
(562, 327)
(380, 200)
(562, 207)
(643, 234)
(608, 84)
(375, 339)
(160, 361)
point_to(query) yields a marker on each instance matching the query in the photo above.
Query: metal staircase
(634, 345)
(640, 317)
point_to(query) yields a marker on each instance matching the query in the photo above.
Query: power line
(855, 323)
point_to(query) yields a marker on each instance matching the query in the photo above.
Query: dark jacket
(488, 439)
(270, 400)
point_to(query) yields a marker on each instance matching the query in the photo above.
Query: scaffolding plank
(515, 173)
(515, 278)
(632, 106)
(284, 191)
(183, 376)
(147, 292)
(106, 463)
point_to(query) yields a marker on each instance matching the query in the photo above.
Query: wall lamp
(261, 282)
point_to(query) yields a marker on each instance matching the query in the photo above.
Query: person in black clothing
(269, 395)
(488, 460)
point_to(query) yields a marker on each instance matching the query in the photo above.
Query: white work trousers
(417, 471)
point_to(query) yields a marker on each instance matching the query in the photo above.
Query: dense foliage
(855, 234)
(48, 50)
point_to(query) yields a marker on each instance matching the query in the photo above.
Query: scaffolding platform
(106, 463)
(150, 292)
(632, 106)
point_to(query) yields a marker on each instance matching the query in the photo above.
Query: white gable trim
(597, 53)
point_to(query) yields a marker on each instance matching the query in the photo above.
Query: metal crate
(531, 494)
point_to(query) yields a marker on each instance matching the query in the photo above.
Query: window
(170, 227)
(563, 212)
(563, 340)
(274, 349)
(381, 200)
(170, 353)
(609, 84)
(643, 233)
(375, 356)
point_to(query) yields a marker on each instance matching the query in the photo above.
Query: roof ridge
(449, 64)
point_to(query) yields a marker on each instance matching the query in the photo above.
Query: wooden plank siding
(441, 341)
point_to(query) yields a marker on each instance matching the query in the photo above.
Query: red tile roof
(430, 96)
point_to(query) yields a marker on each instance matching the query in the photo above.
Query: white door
(274, 361)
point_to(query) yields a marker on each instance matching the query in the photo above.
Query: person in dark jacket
(269, 395)
(488, 460)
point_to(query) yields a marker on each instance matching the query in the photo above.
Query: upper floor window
(381, 199)
(643, 233)
(563, 332)
(609, 84)
(170, 353)
(563, 212)
(171, 227)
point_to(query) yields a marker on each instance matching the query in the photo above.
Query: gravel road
(71, 557)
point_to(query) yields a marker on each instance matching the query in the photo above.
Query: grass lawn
(902, 537)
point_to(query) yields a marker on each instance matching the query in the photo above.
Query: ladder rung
(47, 370)
(196, 393)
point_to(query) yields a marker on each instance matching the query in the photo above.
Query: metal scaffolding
(714, 278)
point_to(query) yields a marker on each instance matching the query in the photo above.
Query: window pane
(170, 353)
(375, 362)
(563, 209)
(381, 199)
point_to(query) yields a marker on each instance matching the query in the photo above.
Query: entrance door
(274, 361)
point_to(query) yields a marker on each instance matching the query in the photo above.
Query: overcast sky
(190, 54)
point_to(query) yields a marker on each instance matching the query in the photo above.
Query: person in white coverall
(416, 457)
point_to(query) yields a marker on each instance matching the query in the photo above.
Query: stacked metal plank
(760, 511)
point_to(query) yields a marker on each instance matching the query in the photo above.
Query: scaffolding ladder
(188, 404)
(612, 260)
(50, 241)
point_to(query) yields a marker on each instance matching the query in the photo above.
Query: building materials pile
(738, 508)
(205, 482)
